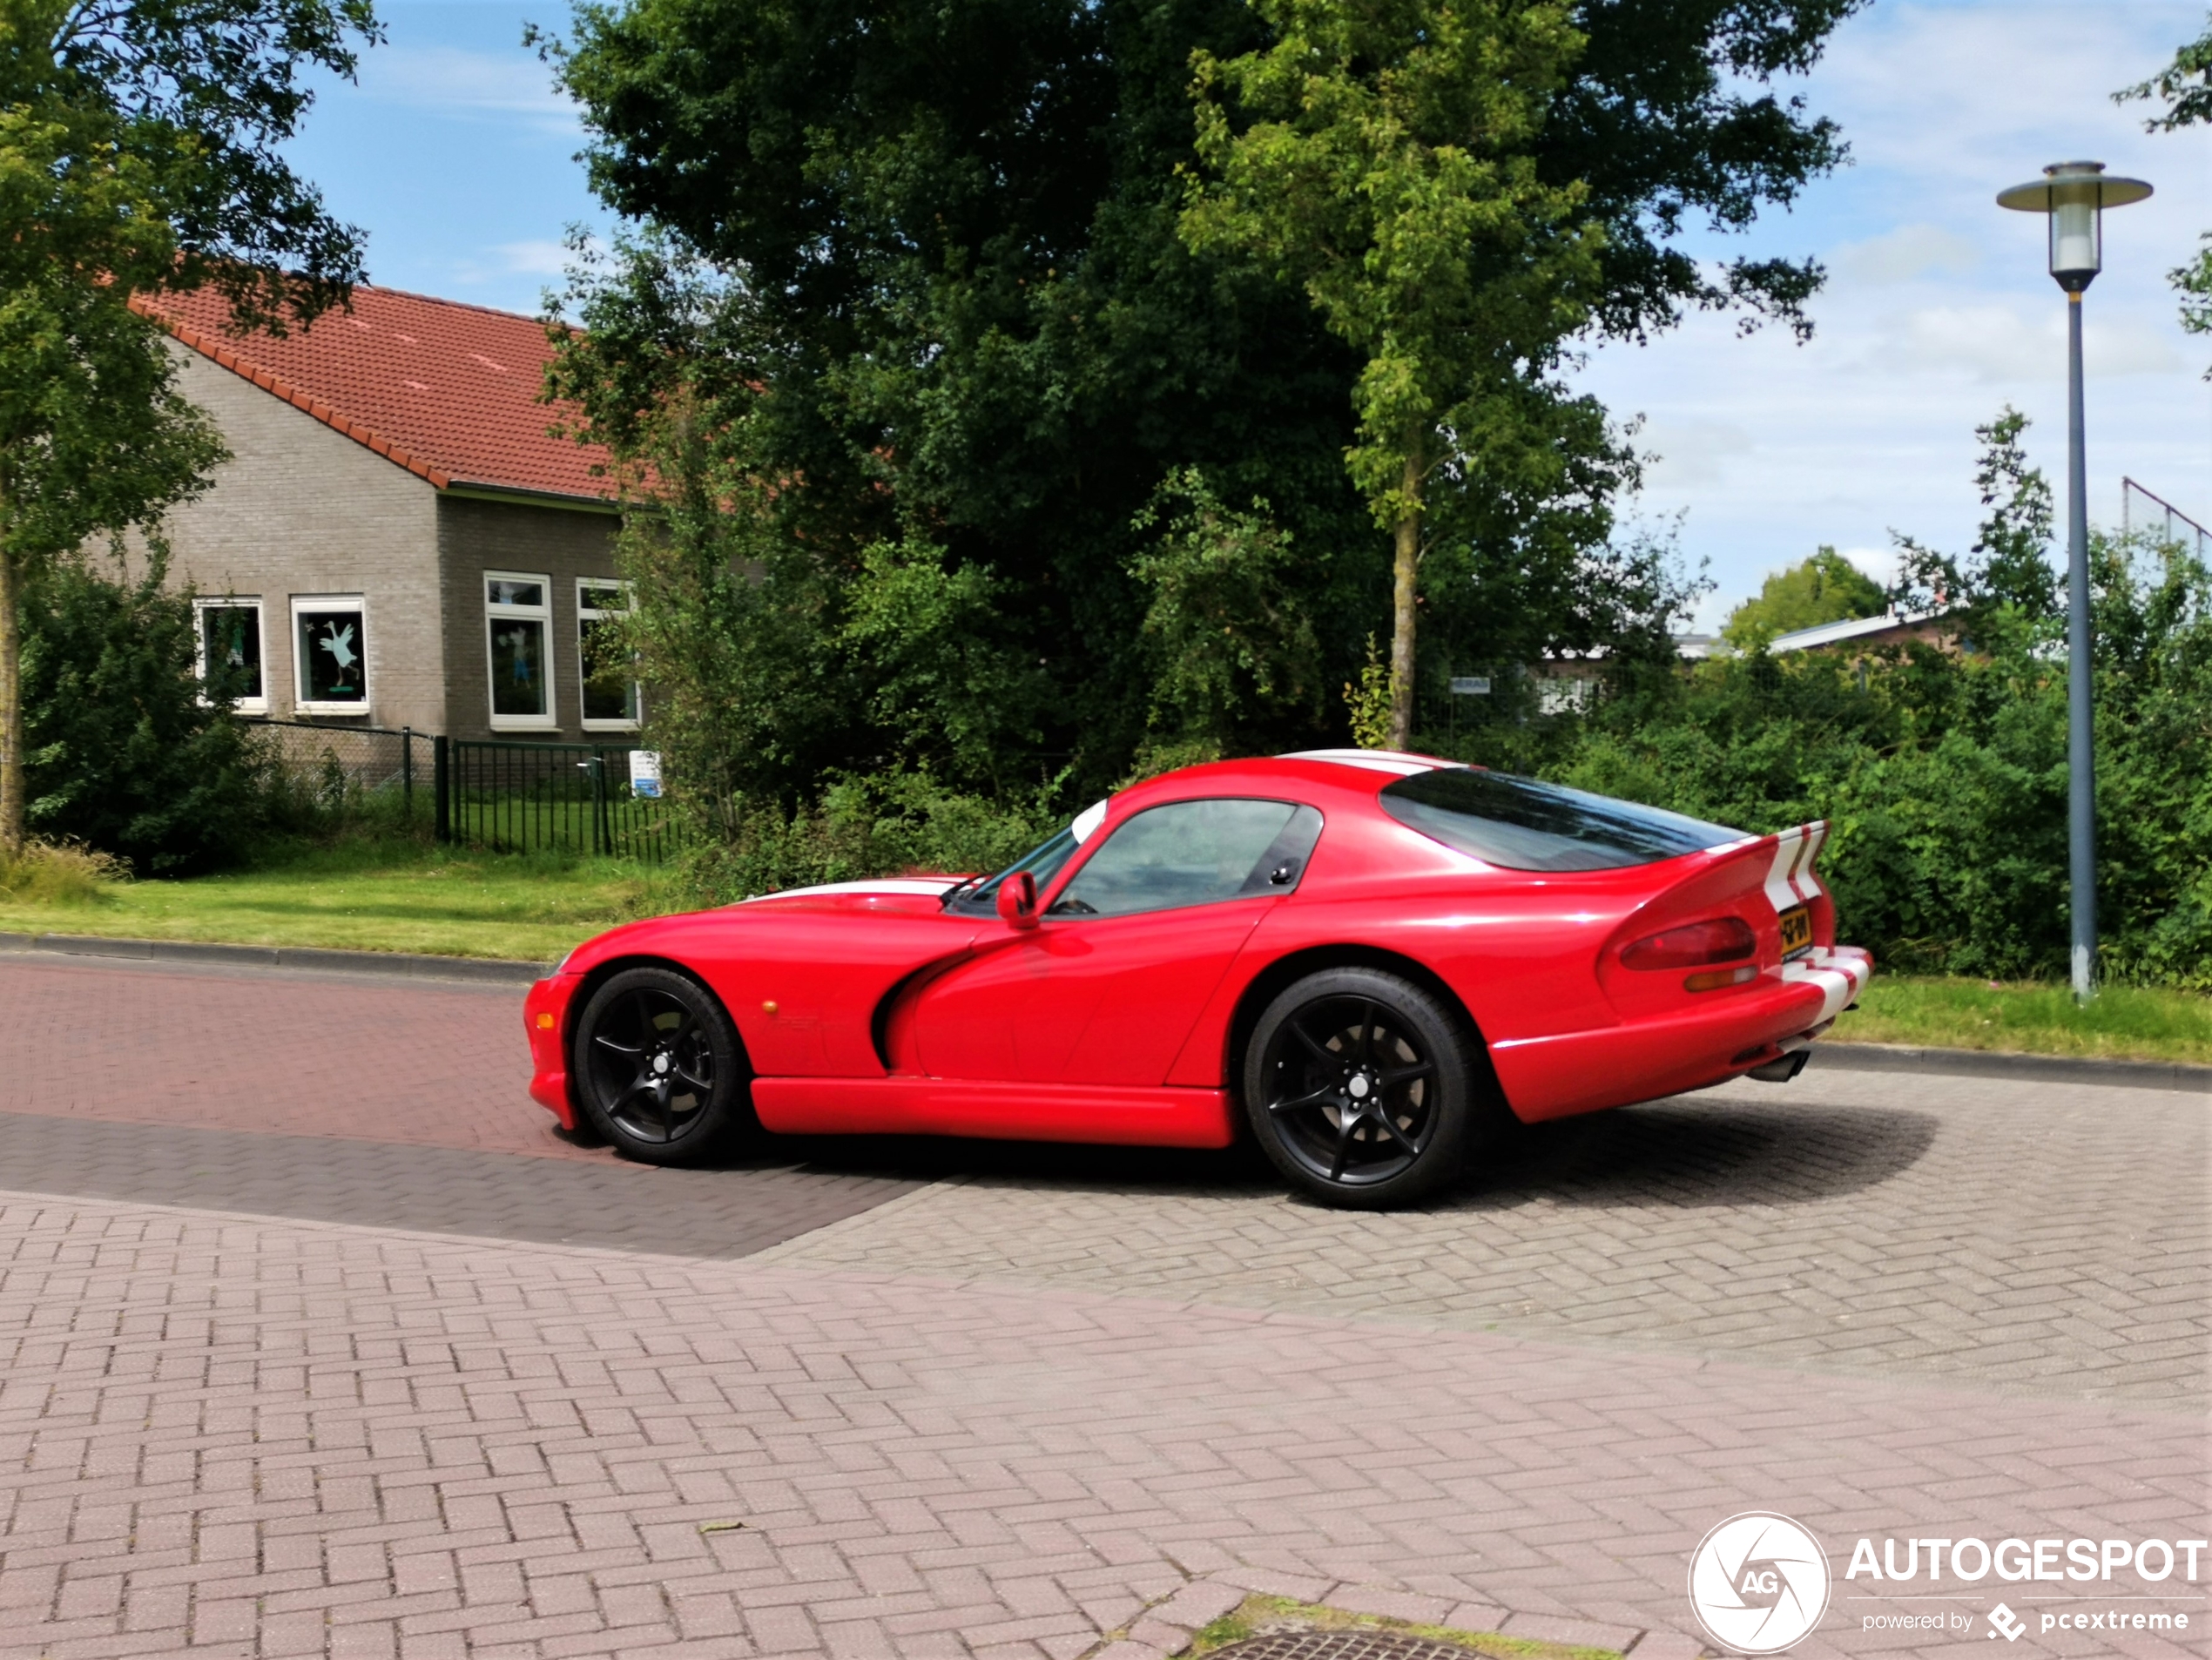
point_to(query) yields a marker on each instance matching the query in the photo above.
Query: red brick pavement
(231, 1436)
(412, 1063)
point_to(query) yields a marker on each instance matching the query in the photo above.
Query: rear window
(1522, 825)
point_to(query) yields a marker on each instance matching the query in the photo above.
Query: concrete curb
(483, 970)
(1991, 1063)
(1168, 1627)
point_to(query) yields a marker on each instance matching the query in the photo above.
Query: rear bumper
(1558, 1076)
(545, 1019)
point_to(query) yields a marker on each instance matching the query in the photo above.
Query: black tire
(658, 1069)
(1365, 1090)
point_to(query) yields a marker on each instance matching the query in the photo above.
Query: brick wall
(557, 544)
(302, 510)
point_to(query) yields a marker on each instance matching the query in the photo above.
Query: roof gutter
(479, 490)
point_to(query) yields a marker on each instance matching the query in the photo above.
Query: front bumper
(545, 1019)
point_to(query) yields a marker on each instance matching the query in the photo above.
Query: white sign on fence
(644, 773)
(1470, 686)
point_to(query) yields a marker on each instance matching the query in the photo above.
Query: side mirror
(1018, 900)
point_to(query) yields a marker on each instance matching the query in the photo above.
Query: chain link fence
(344, 771)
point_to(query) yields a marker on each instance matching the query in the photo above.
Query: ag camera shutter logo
(1758, 1582)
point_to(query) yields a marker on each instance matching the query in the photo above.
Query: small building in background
(1866, 633)
(399, 539)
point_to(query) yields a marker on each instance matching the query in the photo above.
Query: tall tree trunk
(11, 774)
(1405, 568)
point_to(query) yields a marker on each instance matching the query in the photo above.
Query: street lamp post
(2074, 195)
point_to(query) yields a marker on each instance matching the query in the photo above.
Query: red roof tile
(447, 391)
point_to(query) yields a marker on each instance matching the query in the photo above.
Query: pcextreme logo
(1758, 1582)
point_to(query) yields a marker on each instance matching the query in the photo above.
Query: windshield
(1523, 825)
(1042, 862)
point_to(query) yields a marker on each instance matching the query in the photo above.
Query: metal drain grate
(1341, 1645)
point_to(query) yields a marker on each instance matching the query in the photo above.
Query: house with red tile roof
(399, 539)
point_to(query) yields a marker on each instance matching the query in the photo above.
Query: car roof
(1354, 772)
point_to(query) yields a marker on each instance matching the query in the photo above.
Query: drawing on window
(334, 648)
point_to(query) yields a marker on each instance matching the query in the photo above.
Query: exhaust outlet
(1781, 1068)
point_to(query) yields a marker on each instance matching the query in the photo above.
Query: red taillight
(1723, 939)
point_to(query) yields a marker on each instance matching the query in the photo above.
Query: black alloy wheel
(659, 1068)
(1361, 1089)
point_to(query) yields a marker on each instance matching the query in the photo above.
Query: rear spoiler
(1790, 879)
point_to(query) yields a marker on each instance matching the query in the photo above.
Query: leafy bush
(1944, 770)
(128, 750)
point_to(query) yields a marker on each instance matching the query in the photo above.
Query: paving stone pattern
(280, 1376)
(271, 1052)
(271, 1438)
(2030, 1235)
(722, 1212)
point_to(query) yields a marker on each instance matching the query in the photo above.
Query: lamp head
(2074, 194)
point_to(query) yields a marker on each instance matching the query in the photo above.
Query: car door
(1108, 985)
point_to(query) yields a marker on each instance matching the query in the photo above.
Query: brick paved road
(434, 1065)
(2029, 1235)
(999, 1411)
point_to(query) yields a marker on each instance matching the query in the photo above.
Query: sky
(457, 157)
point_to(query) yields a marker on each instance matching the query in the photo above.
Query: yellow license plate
(1797, 932)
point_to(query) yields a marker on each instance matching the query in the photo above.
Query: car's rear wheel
(658, 1067)
(1363, 1089)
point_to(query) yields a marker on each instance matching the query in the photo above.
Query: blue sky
(456, 156)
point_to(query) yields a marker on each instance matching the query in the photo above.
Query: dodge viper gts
(1371, 962)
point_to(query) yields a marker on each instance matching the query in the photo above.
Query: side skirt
(993, 1111)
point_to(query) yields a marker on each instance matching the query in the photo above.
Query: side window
(229, 650)
(330, 655)
(611, 698)
(518, 616)
(1194, 852)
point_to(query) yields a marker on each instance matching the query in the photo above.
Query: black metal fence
(502, 796)
(569, 798)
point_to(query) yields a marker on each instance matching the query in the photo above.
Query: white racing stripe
(1788, 845)
(1790, 879)
(885, 885)
(1841, 975)
(1375, 760)
(1803, 879)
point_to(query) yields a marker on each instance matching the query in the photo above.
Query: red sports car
(1370, 961)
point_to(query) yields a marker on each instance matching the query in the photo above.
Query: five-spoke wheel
(657, 1065)
(1358, 1086)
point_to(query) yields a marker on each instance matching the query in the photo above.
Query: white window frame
(301, 703)
(235, 603)
(543, 613)
(585, 613)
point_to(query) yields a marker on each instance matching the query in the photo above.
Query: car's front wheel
(1362, 1089)
(658, 1067)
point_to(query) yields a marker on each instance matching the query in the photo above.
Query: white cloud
(537, 259)
(1909, 252)
(1880, 563)
(454, 79)
(1939, 311)
(1685, 452)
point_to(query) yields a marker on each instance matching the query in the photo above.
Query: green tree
(138, 153)
(1826, 588)
(2185, 87)
(916, 269)
(1383, 162)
